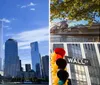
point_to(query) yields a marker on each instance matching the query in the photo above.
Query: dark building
(21, 68)
(38, 74)
(11, 63)
(28, 67)
(45, 66)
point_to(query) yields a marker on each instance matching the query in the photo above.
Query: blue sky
(26, 21)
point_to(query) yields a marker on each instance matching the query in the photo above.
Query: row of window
(73, 39)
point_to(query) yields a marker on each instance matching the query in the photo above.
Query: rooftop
(78, 30)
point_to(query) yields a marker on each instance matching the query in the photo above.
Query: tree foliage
(75, 9)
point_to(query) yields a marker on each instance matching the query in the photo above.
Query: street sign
(79, 61)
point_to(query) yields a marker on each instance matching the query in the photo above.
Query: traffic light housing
(58, 67)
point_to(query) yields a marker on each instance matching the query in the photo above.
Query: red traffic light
(60, 51)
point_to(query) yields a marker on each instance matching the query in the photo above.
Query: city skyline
(12, 62)
(23, 66)
(24, 25)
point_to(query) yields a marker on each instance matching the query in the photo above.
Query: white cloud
(31, 4)
(5, 20)
(25, 38)
(28, 5)
(32, 9)
(23, 6)
(25, 47)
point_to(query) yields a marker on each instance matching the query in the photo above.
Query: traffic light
(58, 67)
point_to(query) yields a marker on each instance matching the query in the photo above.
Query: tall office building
(11, 63)
(83, 62)
(28, 67)
(20, 65)
(38, 73)
(35, 55)
(45, 66)
(1, 43)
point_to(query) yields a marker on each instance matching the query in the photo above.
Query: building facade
(20, 65)
(85, 68)
(11, 63)
(38, 73)
(30, 74)
(45, 66)
(28, 67)
(77, 34)
(35, 55)
(1, 43)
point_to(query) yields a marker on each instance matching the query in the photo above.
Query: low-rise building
(81, 33)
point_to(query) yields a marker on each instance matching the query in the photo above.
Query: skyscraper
(38, 73)
(11, 65)
(35, 55)
(20, 65)
(45, 66)
(1, 43)
(83, 62)
(28, 67)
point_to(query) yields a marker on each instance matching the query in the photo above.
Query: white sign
(78, 61)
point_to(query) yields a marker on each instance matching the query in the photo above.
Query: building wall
(28, 67)
(76, 34)
(94, 69)
(38, 73)
(11, 64)
(45, 66)
(66, 38)
(82, 74)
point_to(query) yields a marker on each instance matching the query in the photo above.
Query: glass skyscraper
(35, 55)
(82, 74)
(38, 75)
(1, 43)
(11, 63)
